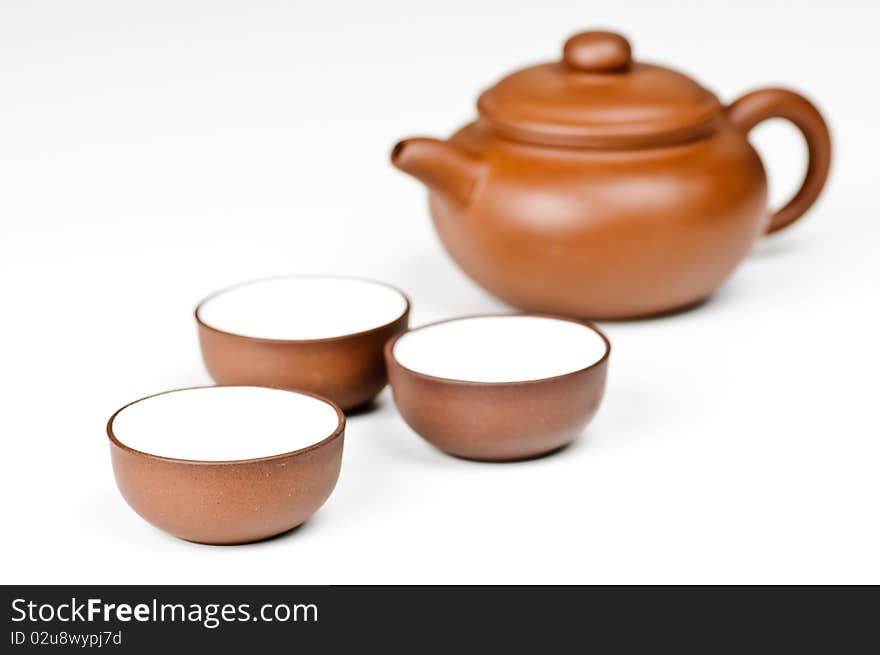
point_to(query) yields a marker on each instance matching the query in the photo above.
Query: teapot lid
(597, 96)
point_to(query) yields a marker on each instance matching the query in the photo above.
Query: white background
(152, 152)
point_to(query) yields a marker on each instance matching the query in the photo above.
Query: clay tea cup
(318, 334)
(226, 465)
(499, 387)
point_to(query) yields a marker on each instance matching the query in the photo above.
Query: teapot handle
(762, 104)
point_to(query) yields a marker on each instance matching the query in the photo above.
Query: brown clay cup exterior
(498, 421)
(348, 370)
(227, 502)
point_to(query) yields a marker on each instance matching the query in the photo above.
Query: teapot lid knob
(597, 52)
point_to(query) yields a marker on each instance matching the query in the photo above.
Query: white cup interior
(302, 308)
(500, 348)
(224, 423)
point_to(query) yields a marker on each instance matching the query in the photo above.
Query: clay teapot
(602, 187)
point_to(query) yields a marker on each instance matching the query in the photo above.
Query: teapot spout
(440, 165)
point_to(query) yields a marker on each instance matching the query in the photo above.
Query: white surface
(500, 348)
(219, 424)
(154, 152)
(302, 308)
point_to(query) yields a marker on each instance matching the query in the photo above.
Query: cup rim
(389, 350)
(337, 432)
(317, 340)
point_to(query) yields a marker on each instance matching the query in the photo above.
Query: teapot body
(604, 234)
(601, 187)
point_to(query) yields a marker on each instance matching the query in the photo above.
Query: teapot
(606, 188)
